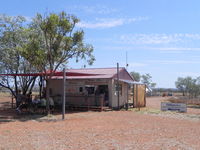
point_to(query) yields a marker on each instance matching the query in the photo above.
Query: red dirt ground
(120, 130)
(154, 102)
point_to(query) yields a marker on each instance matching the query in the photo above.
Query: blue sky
(161, 37)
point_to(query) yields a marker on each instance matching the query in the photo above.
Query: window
(120, 89)
(80, 89)
(90, 89)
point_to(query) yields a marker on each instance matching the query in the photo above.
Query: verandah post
(118, 85)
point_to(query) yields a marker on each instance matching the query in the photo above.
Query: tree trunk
(9, 88)
(32, 85)
(40, 85)
(16, 87)
(47, 96)
(183, 93)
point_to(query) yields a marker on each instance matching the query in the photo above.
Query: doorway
(103, 89)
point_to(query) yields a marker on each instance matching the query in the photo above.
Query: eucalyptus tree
(12, 37)
(136, 76)
(147, 80)
(180, 84)
(188, 85)
(54, 40)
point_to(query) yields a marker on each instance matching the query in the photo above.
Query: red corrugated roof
(99, 73)
(86, 73)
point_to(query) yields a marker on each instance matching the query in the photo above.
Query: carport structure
(42, 75)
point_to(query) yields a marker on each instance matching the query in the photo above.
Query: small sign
(167, 106)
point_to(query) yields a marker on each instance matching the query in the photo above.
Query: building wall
(122, 98)
(56, 87)
(110, 92)
(72, 90)
(72, 86)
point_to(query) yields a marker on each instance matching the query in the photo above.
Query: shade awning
(58, 73)
(129, 81)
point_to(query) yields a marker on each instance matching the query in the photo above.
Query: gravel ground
(113, 130)
(154, 102)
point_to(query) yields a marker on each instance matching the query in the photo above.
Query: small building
(97, 88)
(93, 87)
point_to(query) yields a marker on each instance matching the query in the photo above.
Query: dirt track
(102, 130)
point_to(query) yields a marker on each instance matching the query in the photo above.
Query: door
(103, 89)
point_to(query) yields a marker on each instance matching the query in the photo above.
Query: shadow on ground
(9, 114)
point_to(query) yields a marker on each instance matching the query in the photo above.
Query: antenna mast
(126, 60)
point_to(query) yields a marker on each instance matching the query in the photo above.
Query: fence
(81, 101)
(139, 95)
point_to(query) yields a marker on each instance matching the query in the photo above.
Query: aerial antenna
(126, 60)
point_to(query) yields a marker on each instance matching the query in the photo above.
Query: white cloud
(92, 9)
(164, 43)
(160, 49)
(157, 38)
(193, 74)
(162, 62)
(95, 9)
(175, 48)
(110, 22)
(171, 52)
(169, 62)
(102, 24)
(192, 36)
(135, 64)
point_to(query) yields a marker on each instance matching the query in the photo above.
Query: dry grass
(184, 99)
(145, 129)
(5, 94)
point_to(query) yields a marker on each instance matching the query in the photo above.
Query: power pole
(63, 103)
(118, 85)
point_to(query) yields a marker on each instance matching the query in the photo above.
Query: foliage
(52, 41)
(188, 85)
(44, 44)
(136, 76)
(147, 79)
(12, 37)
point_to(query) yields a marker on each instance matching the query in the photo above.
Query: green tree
(52, 41)
(181, 85)
(188, 85)
(136, 76)
(197, 87)
(147, 79)
(12, 37)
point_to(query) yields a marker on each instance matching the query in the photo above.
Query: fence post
(133, 92)
(127, 97)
